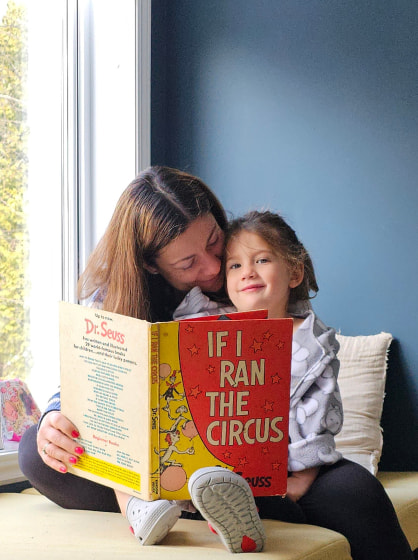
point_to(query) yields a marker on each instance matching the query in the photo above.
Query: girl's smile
(253, 287)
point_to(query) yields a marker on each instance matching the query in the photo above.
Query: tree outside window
(15, 356)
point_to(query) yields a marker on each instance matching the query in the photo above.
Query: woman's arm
(299, 483)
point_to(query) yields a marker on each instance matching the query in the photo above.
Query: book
(153, 402)
(18, 410)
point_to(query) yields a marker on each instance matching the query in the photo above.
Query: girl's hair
(282, 240)
(157, 207)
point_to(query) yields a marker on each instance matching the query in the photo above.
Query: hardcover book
(153, 402)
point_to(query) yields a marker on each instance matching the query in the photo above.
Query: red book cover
(225, 402)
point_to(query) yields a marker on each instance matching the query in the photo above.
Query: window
(74, 130)
(30, 211)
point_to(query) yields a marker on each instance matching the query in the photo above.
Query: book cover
(155, 402)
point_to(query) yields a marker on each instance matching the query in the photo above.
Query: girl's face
(194, 257)
(257, 277)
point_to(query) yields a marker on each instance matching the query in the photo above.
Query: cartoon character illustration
(333, 419)
(28, 403)
(173, 476)
(10, 411)
(168, 395)
(172, 438)
(182, 409)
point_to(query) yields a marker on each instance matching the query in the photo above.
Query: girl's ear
(296, 275)
(150, 269)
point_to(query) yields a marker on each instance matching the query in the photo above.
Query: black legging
(348, 499)
(345, 497)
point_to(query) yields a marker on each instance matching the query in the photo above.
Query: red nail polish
(131, 530)
(75, 434)
(79, 450)
(63, 469)
(73, 460)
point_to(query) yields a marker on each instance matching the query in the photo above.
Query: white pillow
(362, 377)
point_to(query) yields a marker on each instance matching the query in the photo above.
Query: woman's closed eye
(186, 265)
(213, 240)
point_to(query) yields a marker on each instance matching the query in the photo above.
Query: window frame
(77, 194)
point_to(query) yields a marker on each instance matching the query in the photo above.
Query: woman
(130, 272)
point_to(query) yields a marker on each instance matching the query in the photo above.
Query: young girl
(268, 268)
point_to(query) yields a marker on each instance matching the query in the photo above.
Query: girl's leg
(66, 490)
(225, 500)
(150, 521)
(348, 499)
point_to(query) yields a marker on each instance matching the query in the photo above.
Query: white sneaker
(225, 500)
(151, 521)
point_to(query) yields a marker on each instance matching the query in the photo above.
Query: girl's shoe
(151, 521)
(225, 500)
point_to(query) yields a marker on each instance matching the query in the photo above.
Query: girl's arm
(316, 414)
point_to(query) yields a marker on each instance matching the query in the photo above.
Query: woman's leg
(67, 490)
(348, 499)
(280, 509)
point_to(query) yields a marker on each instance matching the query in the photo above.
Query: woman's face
(194, 257)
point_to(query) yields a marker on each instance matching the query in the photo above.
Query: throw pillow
(362, 377)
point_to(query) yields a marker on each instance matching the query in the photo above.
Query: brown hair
(284, 241)
(154, 209)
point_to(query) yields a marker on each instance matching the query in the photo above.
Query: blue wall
(310, 107)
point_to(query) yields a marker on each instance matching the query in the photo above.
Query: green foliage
(14, 311)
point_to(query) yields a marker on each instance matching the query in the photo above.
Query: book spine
(154, 412)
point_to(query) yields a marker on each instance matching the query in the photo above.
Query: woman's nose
(212, 264)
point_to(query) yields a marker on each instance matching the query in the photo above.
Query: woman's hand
(56, 442)
(299, 483)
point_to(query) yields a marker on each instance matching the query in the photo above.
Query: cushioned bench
(33, 527)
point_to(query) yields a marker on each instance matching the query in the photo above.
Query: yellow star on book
(210, 369)
(276, 466)
(280, 344)
(242, 461)
(189, 329)
(276, 378)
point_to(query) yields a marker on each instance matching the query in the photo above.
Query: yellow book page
(181, 449)
(105, 391)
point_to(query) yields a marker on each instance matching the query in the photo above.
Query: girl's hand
(299, 483)
(56, 442)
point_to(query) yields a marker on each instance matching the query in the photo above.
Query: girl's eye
(234, 266)
(263, 260)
